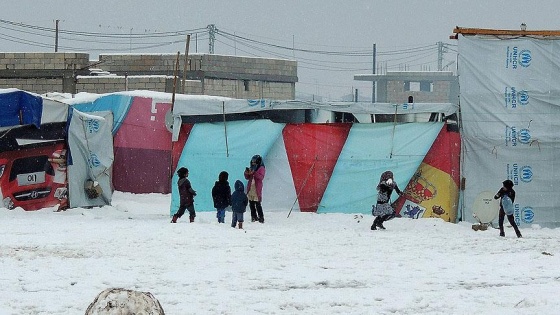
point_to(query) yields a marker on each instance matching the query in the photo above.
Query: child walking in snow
(383, 209)
(186, 196)
(239, 203)
(221, 194)
(506, 194)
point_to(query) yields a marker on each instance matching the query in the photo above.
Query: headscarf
(258, 162)
(508, 184)
(384, 177)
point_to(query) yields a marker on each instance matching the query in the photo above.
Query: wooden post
(176, 70)
(185, 66)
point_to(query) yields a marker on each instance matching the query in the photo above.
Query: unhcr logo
(524, 136)
(525, 58)
(523, 97)
(92, 125)
(513, 136)
(526, 174)
(516, 57)
(260, 102)
(513, 97)
(527, 215)
(93, 160)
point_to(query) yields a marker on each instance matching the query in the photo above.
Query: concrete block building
(422, 86)
(204, 74)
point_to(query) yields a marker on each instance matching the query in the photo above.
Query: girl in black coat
(383, 209)
(221, 194)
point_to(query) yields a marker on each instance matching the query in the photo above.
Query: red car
(33, 169)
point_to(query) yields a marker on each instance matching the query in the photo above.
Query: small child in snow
(221, 194)
(186, 196)
(239, 203)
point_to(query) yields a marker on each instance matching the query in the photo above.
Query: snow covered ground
(57, 262)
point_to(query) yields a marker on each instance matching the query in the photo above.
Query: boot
(174, 219)
(261, 220)
(191, 219)
(380, 224)
(502, 234)
(374, 225)
(240, 225)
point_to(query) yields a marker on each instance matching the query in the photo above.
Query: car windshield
(31, 164)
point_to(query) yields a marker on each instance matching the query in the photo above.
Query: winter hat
(508, 184)
(223, 177)
(182, 172)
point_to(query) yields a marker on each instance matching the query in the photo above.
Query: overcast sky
(332, 40)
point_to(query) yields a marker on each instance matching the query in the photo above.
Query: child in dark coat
(186, 196)
(221, 194)
(383, 209)
(239, 203)
(506, 194)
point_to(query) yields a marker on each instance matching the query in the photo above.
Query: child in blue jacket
(239, 203)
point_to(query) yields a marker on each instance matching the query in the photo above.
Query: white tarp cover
(91, 147)
(208, 105)
(510, 108)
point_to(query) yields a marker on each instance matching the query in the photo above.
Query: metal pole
(373, 100)
(303, 186)
(56, 36)
(393, 133)
(225, 126)
(373, 82)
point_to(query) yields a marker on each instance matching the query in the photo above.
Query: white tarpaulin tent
(510, 110)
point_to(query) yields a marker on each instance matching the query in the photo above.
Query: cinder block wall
(39, 86)
(39, 72)
(108, 84)
(231, 76)
(43, 61)
(440, 94)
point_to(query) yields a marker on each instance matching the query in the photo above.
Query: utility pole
(373, 82)
(294, 46)
(56, 36)
(373, 72)
(439, 56)
(186, 63)
(211, 37)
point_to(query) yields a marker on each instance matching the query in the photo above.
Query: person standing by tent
(383, 209)
(255, 175)
(239, 203)
(186, 196)
(506, 194)
(221, 194)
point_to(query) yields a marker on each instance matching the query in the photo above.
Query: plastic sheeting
(117, 104)
(91, 147)
(310, 167)
(510, 107)
(20, 108)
